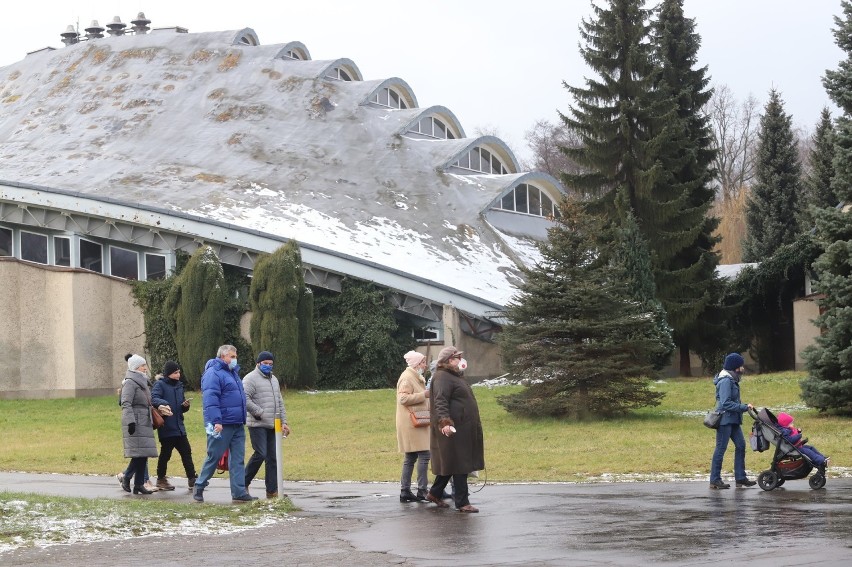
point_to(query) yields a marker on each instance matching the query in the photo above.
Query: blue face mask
(232, 364)
(266, 368)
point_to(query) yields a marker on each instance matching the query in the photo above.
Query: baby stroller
(787, 462)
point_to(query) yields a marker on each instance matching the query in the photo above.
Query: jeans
(422, 459)
(263, 443)
(137, 468)
(460, 492)
(725, 433)
(181, 443)
(233, 437)
(128, 472)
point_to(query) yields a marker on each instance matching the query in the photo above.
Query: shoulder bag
(157, 420)
(419, 418)
(712, 418)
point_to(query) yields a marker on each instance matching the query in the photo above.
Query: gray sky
(499, 65)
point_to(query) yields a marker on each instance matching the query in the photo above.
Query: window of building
(390, 98)
(529, 199)
(34, 247)
(483, 161)
(434, 128)
(123, 263)
(5, 241)
(61, 251)
(91, 256)
(426, 334)
(338, 74)
(155, 266)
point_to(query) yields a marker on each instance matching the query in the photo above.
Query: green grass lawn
(351, 436)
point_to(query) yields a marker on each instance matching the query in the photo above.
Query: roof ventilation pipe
(94, 31)
(140, 24)
(70, 35)
(116, 27)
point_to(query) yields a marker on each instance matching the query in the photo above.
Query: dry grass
(732, 227)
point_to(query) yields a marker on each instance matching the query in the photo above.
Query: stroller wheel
(768, 480)
(817, 481)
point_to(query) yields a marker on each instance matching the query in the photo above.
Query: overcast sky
(498, 65)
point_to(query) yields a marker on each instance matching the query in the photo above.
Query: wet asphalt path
(676, 523)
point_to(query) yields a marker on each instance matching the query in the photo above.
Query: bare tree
(544, 140)
(735, 128)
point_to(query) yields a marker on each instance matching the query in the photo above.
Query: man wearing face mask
(264, 404)
(224, 402)
(456, 438)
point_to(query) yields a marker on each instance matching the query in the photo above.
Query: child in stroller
(788, 461)
(794, 436)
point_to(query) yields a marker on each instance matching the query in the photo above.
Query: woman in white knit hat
(136, 423)
(412, 396)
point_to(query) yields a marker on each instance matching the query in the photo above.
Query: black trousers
(460, 491)
(181, 443)
(137, 470)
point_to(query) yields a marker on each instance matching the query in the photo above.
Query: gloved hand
(165, 410)
(131, 428)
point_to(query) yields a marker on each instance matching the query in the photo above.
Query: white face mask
(420, 371)
(462, 364)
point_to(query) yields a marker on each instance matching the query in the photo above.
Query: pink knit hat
(784, 419)
(413, 358)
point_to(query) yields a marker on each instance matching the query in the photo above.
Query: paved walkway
(676, 523)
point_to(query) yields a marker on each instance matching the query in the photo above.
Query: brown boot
(164, 484)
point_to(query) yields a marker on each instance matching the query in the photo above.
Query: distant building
(118, 150)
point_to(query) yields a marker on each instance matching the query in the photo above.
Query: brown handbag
(419, 418)
(157, 418)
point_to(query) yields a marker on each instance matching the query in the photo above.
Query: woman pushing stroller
(794, 437)
(730, 425)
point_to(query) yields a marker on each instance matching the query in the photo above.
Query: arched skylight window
(293, 54)
(433, 128)
(338, 74)
(530, 200)
(481, 160)
(390, 98)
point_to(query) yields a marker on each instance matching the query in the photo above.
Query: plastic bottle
(210, 431)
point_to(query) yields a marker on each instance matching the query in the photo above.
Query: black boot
(125, 483)
(407, 496)
(421, 495)
(142, 490)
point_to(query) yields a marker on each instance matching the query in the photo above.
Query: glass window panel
(90, 256)
(535, 200)
(465, 161)
(521, 198)
(5, 241)
(484, 161)
(508, 202)
(155, 266)
(496, 166)
(394, 99)
(62, 251)
(440, 129)
(34, 247)
(450, 135)
(402, 104)
(425, 126)
(343, 75)
(124, 263)
(546, 205)
(474, 159)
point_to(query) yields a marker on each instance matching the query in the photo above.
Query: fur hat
(413, 358)
(784, 419)
(135, 361)
(733, 361)
(264, 355)
(170, 367)
(447, 353)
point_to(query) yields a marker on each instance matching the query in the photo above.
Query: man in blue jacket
(224, 402)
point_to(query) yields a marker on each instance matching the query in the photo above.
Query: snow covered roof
(731, 271)
(208, 126)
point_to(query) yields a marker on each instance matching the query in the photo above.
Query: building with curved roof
(116, 152)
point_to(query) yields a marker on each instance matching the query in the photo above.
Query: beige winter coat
(410, 394)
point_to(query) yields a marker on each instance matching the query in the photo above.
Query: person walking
(224, 403)
(136, 423)
(727, 383)
(264, 404)
(413, 442)
(456, 437)
(169, 391)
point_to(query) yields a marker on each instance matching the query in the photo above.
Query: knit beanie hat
(170, 367)
(135, 361)
(784, 419)
(413, 358)
(733, 361)
(264, 355)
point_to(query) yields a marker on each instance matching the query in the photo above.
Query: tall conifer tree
(829, 383)
(819, 191)
(197, 302)
(773, 207)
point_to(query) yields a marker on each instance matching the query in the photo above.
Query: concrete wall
(805, 310)
(64, 332)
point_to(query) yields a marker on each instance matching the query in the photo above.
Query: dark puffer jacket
(453, 404)
(170, 393)
(224, 397)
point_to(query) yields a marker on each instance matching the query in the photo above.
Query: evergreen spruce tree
(829, 383)
(576, 332)
(197, 302)
(277, 289)
(773, 206)
(818, 189)
(684, 262)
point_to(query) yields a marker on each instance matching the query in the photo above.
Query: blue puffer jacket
(223, 395)
(728, 397)
(170, 392)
